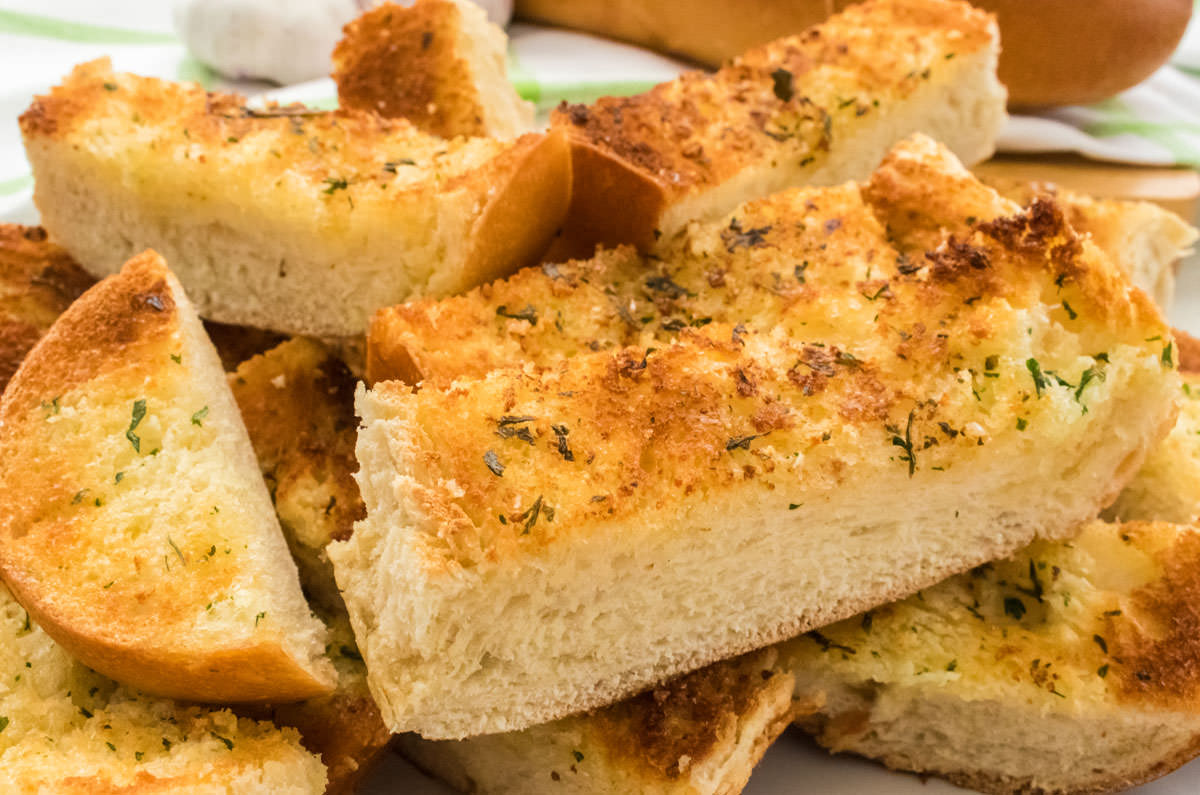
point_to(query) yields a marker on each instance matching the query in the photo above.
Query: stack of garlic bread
(694, 496)
(734, 405)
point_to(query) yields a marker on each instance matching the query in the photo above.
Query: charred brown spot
(1188, 348)
(684, 719)
(956, 258)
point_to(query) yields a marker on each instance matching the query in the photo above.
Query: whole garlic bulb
(285, 42)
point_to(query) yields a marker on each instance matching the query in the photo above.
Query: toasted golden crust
(38, 280)
(297, 401)
(762, 266)
(438, 63)
(1098, 631)
(915, 332)
(94, 424)
(787, 102)
(287, 204)
(403, 64)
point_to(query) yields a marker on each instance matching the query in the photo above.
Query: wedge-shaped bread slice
(66, 729)
(438, 63)
(812, 109)
(287, 219)
(38, 280)
(1144, 239)
(138, 531)
(908, 416)
(735, 270)
(1068, 668)
(297, 401)
(700, 734)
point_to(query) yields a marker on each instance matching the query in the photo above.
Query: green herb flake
(741, 442)
(1040, 381)
(177, 358)
(952, 665)
(1071, 313)
(228, 742)
(1014, 607)
(1101, 643)
(1022, 423)
(175, 547)
(530, 517)
(3, 723)
(138, 414)
(781, 85)
(794, 505)
(52, 406)
(1102, 671)
(528, 314)
(111, 747)
(1168, 355)
(118, 477)
(138, 755)
(110, 86)
(578, 756)
(905, 444)
(333, 184)
(259, 617)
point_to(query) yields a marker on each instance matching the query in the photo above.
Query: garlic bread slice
(139, 533)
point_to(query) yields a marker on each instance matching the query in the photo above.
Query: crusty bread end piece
(138, 531)
(816, 108)
(285, 219)
(438, 63)
(1068, 668)
(695, 496)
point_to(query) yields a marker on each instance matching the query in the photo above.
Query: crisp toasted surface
(883, 394)
(811, 109)
(1068, 668)
(438, 63)
(285, 219)
(38, 280)
(67, 729)
(1143, 239)
(1189, 352)
(138, 531)
(1167, 487)
(297, 400)
(699, 734)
